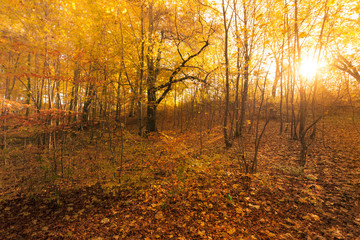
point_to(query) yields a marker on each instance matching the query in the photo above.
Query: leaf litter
(184, 195)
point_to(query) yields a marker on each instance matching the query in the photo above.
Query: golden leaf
(159, 215)
(239, 210)
(231, 231)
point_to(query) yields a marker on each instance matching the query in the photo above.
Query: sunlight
(309, 67)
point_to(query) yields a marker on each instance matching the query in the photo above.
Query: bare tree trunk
(118, 100)
(151, 78)
(313, 104)
(181, 116)
(175, 108)
(227, 85)
(142, 59)
(254, 104)
(28, 94)
(302, 90)
(74, 92)
(281, 83)
(88, 100)
(244, 94)
(238, 72)
(288, 80)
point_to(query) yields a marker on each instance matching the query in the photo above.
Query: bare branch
(346, 66)
(176, 71)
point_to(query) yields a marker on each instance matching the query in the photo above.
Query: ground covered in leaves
(173, 187)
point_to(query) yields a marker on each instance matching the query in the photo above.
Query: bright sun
(309, 67)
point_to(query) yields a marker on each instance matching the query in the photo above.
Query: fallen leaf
(314, 217)
(105, 220)
(231, 231)
(254, 206)
(270, 234)
(289, 221)
(97, 238)
(239, 210)
(311, 217)
(159, 215)
(25, 213)
(45, 228)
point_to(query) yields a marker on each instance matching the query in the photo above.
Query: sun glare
(309, 67)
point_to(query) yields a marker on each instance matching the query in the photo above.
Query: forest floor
(173, 187)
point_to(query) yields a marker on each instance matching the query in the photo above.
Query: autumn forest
(169, 119)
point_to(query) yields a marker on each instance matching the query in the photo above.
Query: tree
(226, 24)
(347, 66)
(181, 71)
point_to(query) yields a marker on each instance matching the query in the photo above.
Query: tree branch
(176, 71)
(169, 84)
(347, 67)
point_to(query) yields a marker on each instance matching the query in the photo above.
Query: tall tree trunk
(141, 77)
(151, 111)
(105, 94)
(227, 85)
(151, 78)
(238, 72)
(288, 82)
(313, 104)
(28, 94)
(118, 99)
(74, 92)
(58, 98)
(244, 94)
(281, 83)
(302, 108)
(88, 98)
